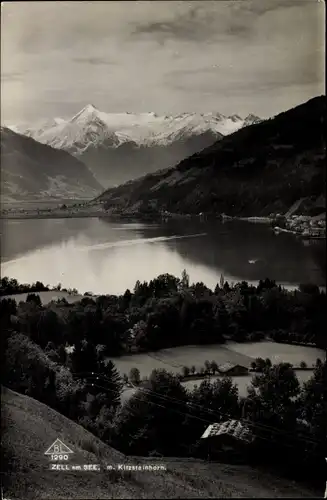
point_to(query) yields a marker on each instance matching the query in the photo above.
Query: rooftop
(234, 428)
(225, 367)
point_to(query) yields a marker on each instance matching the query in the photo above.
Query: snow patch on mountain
(92, 127)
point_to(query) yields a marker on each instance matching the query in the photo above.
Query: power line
(248, 423)
(194, 417)
(215, 412)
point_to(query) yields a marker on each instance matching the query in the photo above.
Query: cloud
(176, 25)
(262, 7)
(231, 56)
(94, 61)
(211, 19)
(200, 22)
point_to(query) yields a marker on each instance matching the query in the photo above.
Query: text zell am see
(116, 467)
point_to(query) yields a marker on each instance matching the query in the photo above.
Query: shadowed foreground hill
(259, 169)
(30, 427)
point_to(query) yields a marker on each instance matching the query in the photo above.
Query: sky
(236, 56)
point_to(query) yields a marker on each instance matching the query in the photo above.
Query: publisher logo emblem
(58, 451)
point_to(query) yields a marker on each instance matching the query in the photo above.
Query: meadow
(243, 354)
(174, 359)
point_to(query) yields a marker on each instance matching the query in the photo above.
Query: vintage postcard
(163, 249)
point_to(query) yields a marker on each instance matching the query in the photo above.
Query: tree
(27, 369)
(213, 367)
(303, 364)
(49, 328)
(8, 309)
(34, 297)
(134, 376)
(112, 381)
(113, 331)
(51, 352)
(164, 285)
(146, 420)
(215, 402)
(311, 429)
(271, 405)
(193, 369)
(84, 359)
(313, 403)
(62, 354)
(185, 371)
(266, 284)
(222, 281)
(200, 290)
(260, 364)
(207, 366)
(185, 280)
(225, 398)
(309, 288)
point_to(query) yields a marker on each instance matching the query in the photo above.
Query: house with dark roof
(231, 369)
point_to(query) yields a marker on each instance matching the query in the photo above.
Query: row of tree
(168, 311)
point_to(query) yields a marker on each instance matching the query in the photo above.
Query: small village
(304, 225)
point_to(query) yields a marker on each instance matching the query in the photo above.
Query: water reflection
(106, 257)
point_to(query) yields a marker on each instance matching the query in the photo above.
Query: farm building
(229, 436)
(232, 370)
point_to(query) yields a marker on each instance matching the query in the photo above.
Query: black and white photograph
(163, 302)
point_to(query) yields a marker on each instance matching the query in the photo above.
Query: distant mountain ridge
(257, 170)
(31, 170)
(91, 124)
(118, 147)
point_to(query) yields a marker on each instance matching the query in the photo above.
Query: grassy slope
(29, 428)
(257, 170)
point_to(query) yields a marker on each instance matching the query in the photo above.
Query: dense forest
(169, 311)
(289, 420)
(258, 170)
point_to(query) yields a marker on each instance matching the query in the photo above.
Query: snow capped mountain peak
(235, 118)
(251, 120)
(88, 112)
(91, 127)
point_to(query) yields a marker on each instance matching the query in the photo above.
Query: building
(232, 370)
(229, 437)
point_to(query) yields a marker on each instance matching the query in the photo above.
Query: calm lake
(102, 256)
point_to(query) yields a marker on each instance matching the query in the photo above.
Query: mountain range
(118, 147)
(259, 169)
(31, 170)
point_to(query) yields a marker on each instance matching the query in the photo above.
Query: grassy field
(45, 297)
(29, 428)
(174, 359)
(279, 353)
(243, 354)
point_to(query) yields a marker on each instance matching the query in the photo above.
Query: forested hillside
(257, 170)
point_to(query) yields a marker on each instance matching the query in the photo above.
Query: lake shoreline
(64, 213)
